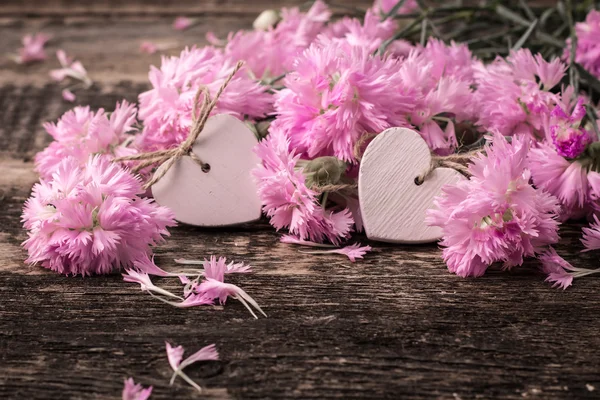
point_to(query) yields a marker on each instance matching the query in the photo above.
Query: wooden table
(396, 325)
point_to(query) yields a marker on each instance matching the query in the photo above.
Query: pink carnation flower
(567, 136)
(439, 79)
(370, 34)
(166, 109)
(81, 132)
(588, 46)
(560, 166)
(33, 48)
(90, 220)
(337, 93)
(513, 94)
(271, 52)
(288, 202)
(496, 216)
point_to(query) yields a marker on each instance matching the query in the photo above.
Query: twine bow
(167, 158)
(458, 162)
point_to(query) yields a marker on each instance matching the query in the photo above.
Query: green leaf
(593, 117)
(394, 10)
(525, 36)
(588, 78)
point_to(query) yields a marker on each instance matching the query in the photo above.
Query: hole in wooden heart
(205, 167)
(419, 181)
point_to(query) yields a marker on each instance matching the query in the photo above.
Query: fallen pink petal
(175, 356)
(133, 391)
(353, 252)
(70, 69)
(148, 47)
(33, 48)
(182, 23)
(67, 95)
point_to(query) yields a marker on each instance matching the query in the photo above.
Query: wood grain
(396, 325)
(60, 8)
(393, 206)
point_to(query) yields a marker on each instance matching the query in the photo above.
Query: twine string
(167, 158)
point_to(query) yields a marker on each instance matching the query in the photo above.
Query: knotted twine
(167, 158)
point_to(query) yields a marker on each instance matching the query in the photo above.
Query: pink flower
(286, 199)
(369, 35)
(166, 109)
(90, 219)
(513, 94)
(175, 355)
(133, 391)
(182, 23)
(496, 216)
(439, 79)
(336, 94)
(568, 180)
(271, 52)
(67, 95)
(560, 272)
(33, 48)
(70, 69)
(588, 47)
(567, 136)
(81, 132)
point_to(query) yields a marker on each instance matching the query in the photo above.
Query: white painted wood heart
(224, 195)
(393, 206)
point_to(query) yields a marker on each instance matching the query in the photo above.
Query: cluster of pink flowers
(166, 109)
(91, 219)
(514, 94)
(271, 52)
(559, 165)
(496, 215)
(337, 93)
(81, 132)
(344, 82)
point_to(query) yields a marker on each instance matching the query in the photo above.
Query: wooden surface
(396, 325)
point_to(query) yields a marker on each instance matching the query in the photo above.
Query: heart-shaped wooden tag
(223, 195)
(392, 204)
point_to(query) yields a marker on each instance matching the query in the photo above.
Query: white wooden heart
(224, 195)
(393, 206)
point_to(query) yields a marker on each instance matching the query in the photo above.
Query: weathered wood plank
(108, 48)
(153, 7)
(395, 325)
